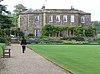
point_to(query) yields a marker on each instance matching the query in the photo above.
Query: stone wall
(28, 23)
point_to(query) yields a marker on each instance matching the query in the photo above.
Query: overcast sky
(91, 6)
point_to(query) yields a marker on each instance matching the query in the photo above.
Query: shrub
(2, 39)
(1, 51)
(33, 40)
(73, 38)
(67, 42)
(78, 38)
(50, 40)
(56, 41)
(98, 37)
(30, 35)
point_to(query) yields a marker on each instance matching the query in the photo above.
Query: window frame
(57, 18)
(37, 32)
(82, 19)
(65, 17)
(50, 18)
(37, 18)
(72, 18)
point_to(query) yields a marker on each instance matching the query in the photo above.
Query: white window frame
(50, 18)
(36, 18)
(37, 32)
(82, 19)
(65, 17)
(58, 17)
(72, 19)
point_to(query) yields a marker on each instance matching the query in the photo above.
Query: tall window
(57, 18)
(50, 18)
(36, 18)
(37, 32)
(65, 18)
(82, 19)
(72, 18)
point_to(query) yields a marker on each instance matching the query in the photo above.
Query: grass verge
(79, 59)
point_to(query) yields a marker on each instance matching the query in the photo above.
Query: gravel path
(28, 63)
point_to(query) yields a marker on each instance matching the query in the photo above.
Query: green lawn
(79, 59)
(1, 44)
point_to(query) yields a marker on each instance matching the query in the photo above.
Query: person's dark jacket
(23, 42)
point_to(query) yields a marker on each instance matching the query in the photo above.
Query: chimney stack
(72, 8)
(43, 6)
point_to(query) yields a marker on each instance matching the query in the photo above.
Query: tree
(3, 9)
(89, 32)
(14, 19)
(5, 21)
(46, 30)
(19, 8)
(78, 30)
(96, 25)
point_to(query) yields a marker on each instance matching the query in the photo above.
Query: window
(72, 18)
(37, 32)
(65, 18)
(50, 18)
(57, 18)
(82, 19)
(36, 18)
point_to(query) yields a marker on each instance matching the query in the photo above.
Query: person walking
(23, 43)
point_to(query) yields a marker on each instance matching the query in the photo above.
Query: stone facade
(31, 21)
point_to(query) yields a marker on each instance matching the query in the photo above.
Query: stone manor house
(31, 21)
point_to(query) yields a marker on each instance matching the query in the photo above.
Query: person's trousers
(23, 48)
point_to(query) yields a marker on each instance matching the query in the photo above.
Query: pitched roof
(75, 11)
(28, 11)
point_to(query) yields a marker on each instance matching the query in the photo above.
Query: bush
(2, 40)
(56, 41)
(32, 40)
(67, 42)
(1, 54)
(44, 40)
(73, 38)
(50, 40)
(1, 51)
(98, 37)
(30, 35)
(78, 38)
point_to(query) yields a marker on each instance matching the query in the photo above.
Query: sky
(91, 6)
